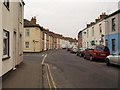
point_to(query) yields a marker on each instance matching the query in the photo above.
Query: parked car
(63, 46)
(69, 48)
(80, 52)
(113, 59)
(74, 49)
(96, 52)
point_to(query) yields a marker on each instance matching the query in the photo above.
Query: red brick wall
(80, 40)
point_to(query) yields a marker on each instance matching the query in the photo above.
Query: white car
(113, 59)
(74, 49)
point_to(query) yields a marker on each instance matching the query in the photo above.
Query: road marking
(44, 59)
(51, 77)
(42, 55)
(48, 77)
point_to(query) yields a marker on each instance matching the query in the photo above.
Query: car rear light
(94, 53)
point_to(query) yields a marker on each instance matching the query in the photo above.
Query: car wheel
(80, 55)
(91, 58)
(77, 54)
(107, 62)
(84, 56)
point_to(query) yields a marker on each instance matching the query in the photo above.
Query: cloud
(66, 17)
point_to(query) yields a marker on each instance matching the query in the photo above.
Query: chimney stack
(92, 23)
(103, 15)
(97, 20)
(33, 20)
(88, 25)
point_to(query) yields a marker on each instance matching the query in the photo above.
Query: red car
(96, 52)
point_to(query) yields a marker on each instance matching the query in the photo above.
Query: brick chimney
(103, 15)
(92, 23)
(97, 20)
(33, 20)
(88, 25)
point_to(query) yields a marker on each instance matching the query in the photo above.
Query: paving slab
(27, 75)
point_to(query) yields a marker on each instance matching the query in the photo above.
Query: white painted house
(11, 27)
(94, 33)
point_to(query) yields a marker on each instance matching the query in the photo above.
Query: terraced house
(37, 39)
(112, 33)
(94, 32)
(105, 30)
(32, 36)
(11, 27)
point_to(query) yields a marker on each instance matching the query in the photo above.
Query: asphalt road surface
(61, 70)
(71, 71)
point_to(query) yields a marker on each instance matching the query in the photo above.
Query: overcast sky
(67, 17)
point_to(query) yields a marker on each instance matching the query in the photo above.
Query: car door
(86, 53)
(89, 51)
(114, 58)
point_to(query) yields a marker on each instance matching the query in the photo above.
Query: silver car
(113, 59)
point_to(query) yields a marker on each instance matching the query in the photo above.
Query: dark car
(97, 52)
(69, 49)
(80, 52)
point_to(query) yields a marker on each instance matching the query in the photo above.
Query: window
(27, 32)
(87, 44)
(113, 24)
(113, 44)
(100, 28)
(27, 44)
(92, 42)
(92, 31)
(106, 41)
(6, 3)
(102, 48)
(5, 44)
(87, 32)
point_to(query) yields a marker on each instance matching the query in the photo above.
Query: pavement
(27, 75)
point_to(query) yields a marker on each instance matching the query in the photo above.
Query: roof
(28, 23)
(116, 12)
(23, 2)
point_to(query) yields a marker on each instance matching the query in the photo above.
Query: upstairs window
(113, 24)
(92, 31)
(27, 32)
(5, 44)
(88, 33)
(7, 3)
(100, 28)
(106, 42)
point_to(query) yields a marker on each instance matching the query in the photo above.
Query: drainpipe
(34, 45)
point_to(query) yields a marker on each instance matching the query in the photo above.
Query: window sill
(5, 58)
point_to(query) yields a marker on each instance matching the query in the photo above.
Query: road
(71, 71)
(60, 69)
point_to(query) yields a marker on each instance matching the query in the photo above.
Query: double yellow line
(50, 80)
